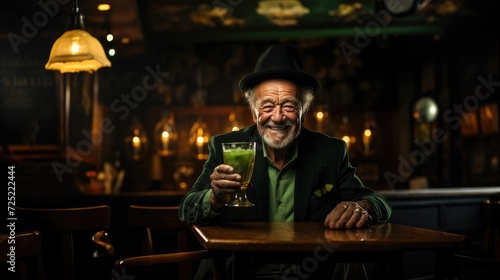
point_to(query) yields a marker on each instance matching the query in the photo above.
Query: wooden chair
(161, 218)
(28, 246)
(62, 224)
(488, 261)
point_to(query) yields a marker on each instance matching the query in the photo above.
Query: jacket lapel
(261, 185)
(304, 176)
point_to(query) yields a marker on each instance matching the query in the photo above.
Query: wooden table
(306, 242)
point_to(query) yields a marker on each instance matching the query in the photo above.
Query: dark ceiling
(153, 22)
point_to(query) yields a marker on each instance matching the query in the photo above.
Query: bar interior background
(414, 95)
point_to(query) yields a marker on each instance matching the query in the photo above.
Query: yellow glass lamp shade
(77, 51)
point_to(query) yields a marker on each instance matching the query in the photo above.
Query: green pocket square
(324, 190)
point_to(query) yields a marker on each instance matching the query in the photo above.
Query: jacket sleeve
(191, 208)
(351, 188)
(381, 206)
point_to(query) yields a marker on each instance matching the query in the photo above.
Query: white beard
(286, 139)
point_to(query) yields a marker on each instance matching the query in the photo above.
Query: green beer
(242, 160)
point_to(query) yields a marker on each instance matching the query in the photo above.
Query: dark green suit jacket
(323, 178)
(322, 163)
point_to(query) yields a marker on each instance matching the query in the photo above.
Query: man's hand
(349, 214)
(224, 184)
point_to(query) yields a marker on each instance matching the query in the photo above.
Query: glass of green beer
(241, 156)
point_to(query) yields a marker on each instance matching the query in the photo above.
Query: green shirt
(281, 189)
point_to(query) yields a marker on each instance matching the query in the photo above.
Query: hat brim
(298, 77)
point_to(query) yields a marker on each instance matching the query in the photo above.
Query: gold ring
(368, 217)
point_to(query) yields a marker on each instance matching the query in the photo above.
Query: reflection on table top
(307, 236)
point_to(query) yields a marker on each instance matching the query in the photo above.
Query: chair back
(491, 242)
(162, 218)
(28, 246)
(64, 223)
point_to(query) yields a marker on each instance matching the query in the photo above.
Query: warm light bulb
(165, 135)
(346, 139)
(103, 7)
(136, 140)
(367, 133)
(75, 48)
(319, 115)
(367, 141)
(200, 140)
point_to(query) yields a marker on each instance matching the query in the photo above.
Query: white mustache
(282, 125)
(285, 122)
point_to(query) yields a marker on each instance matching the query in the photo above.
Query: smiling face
(277, 112)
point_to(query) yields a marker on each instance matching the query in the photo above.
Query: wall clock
(400, 7)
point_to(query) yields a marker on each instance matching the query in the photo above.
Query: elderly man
(299, 174)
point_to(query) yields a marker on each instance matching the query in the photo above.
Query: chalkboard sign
(28, 96)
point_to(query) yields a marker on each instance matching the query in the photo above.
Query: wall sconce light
(320, 115)
(369, 134)
(166, 136)
(136, 140)
(198, 139)
(76, 50)
(345, 133)
(233, 123)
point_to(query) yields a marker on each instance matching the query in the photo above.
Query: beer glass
(241, 156)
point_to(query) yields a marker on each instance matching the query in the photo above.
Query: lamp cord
(76, 18)
(76, 8)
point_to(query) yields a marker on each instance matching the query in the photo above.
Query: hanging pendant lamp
(76, 50)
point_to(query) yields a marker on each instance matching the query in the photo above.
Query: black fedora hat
(277, 62)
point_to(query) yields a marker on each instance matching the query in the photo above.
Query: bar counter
(393, 195)
(455, 210)
(469, 192)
